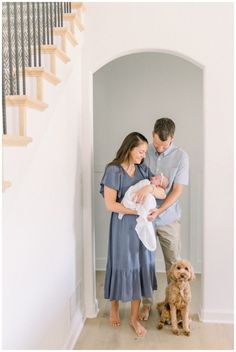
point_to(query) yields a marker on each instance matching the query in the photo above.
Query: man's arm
(170, 199)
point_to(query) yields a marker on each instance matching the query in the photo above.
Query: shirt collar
(166, 152)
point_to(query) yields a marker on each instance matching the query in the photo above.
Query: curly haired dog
(175, 308)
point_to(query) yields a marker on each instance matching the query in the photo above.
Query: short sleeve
(182, 175)
(145, 171)
(111, 178)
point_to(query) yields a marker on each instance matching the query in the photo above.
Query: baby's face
(159, 181)
(156, 180)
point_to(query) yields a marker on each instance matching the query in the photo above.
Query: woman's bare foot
(145, 312)
(138, 328)
(114, 319)
(114, 314)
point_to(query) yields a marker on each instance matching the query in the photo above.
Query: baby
(144, 228)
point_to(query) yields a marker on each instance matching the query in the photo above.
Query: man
(163, 156)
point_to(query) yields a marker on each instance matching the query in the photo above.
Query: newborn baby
(159, 181)
(144, 228)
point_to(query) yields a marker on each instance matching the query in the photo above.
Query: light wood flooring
(97, 333)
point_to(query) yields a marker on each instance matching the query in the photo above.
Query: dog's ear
(170, 273)
(192, 275)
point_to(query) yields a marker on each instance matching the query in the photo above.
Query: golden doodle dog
(175, 308)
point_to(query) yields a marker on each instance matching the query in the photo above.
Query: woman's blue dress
(130, 270)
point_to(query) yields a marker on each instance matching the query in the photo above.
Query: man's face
(160, 145)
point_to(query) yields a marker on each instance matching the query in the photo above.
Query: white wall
(130, 93)
(42, 223)
(202, 32)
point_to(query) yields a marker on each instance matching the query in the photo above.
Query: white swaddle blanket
(144, 228)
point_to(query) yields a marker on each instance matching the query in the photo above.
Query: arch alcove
(172, 79)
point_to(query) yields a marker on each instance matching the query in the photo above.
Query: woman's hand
(142, 194)
(154, 213)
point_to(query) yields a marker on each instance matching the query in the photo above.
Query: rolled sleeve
(182, 175)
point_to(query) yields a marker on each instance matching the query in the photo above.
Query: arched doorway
(129, 94)
(90, 187)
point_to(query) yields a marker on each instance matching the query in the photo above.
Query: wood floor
(97, 333)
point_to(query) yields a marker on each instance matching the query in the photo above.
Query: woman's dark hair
(131, 141)
(164, 128)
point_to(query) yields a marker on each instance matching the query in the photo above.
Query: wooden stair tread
(41, 71)
(5, 185)
(74, 17)
(63, 31)
(78, 5)
(53, 49)
(25, 100)
(15, 141)
(69, 16)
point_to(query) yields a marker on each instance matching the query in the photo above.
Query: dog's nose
(182, 275)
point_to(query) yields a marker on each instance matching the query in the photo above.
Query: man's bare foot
(145, 312)
(138, 328)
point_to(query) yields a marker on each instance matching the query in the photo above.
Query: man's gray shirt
(174, 164)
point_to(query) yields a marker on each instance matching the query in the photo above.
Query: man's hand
(154, 213)
(142, 194)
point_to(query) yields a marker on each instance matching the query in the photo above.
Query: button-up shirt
(174, 164)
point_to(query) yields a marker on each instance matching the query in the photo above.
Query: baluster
(51, 23)
(10, 49)
(55, 15)
(47, 15)
(39, 36)
(58, 14)
(44, 25)
(4, 119)
(34, 34)
(22, 47)
(28, 32)
(61, 6)
(16, 50)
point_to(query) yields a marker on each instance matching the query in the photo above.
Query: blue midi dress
(130, 270)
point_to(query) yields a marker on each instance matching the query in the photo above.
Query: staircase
(35, 40)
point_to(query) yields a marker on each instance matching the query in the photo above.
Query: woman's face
(138, 153)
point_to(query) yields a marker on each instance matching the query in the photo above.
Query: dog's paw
(187, 332)
(160, 326)
(176, 331)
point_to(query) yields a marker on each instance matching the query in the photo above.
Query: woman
(130, 271)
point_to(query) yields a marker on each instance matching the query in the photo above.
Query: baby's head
(159, 181)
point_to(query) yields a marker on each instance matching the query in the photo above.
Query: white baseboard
(214, 316)
(76, 328)
(101, 264)
(92, 310)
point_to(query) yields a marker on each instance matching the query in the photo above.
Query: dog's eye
(178, 267)
(186, 268)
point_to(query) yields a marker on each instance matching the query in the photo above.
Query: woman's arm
(112, 205)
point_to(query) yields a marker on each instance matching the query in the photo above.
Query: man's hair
(164, 128)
